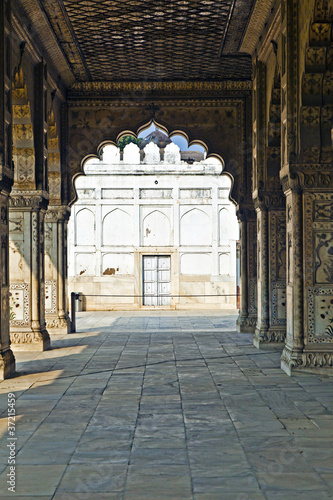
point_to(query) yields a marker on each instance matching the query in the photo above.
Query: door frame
(171, 252)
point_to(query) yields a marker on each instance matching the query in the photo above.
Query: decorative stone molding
(28, 199)
(298, 180)
(270, 200)
(246, 213)
(56, 213)
(246, 324)
(315, 361)
(58, 323)
(46, 36)
(258, 19)
(30, 340)
(269, 337)
(147, 89)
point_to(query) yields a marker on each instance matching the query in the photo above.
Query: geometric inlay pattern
(131, 40)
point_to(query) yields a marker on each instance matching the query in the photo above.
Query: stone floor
(165, 405)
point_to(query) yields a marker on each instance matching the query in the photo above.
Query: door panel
(156, 281)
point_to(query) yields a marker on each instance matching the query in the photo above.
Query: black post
(73, 298)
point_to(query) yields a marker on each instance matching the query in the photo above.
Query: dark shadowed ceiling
(145, 40)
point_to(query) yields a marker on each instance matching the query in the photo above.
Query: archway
(154, 204)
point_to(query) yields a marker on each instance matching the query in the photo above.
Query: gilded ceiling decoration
(144, 40)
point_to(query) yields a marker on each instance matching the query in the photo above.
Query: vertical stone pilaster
(307, 179)
(7, 360)
(263, 281)
(27, 274)
(57, 318)
(271, 326)
(247, 318)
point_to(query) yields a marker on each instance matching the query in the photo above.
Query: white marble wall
(126, 210)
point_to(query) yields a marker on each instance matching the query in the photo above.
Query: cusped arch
(117, 228)
(103, 145)
(195, 228)
(151, 122)
(85, 227)
(124, 133)
(156, 229)
(86, 144)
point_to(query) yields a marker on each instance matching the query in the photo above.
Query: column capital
(57, 213)
(245, 213)
(32, 199)
(272, 199)
(301, 177)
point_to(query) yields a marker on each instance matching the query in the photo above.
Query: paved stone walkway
(165, 405)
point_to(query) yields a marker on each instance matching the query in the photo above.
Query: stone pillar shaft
(248, 312)
(28, 331)
(7, 360)
(243, 270)
(57, 318)
(270, 329)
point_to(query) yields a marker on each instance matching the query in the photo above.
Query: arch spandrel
(220, 124)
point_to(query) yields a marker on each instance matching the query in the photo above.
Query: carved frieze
(146, 89)
(28, 199)
(57, 213)
(56, 323)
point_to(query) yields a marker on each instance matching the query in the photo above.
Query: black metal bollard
(73, 299)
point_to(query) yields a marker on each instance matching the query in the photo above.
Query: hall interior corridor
(161, 405)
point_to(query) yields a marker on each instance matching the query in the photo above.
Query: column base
(57, 325)
(271, 338)
(315, 360)
(7, 364)
(29, 340)
(246, 324)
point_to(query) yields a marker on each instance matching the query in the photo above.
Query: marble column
(7, 360)
(56, 309)
(262, 277)
(309, 340)
(27, 273)
(247, 318)
(271, 326)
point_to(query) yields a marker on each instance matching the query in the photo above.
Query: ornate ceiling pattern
(144, 40)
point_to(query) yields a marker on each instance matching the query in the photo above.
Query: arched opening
(153, 212)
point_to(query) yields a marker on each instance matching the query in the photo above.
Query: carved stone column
(271, 326)
(262, 274)
(57, 317)
(309, 341)
(307, 180)
(7, 360)
(248, 271)
(27, 273)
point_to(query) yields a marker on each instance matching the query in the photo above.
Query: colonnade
(284, 208)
